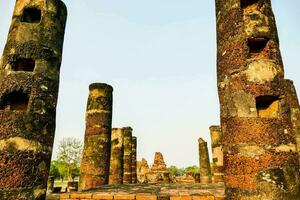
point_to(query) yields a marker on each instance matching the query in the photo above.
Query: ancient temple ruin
(133, 160)
(260, 154)
(204, 163)
(29, 79)
(123, 146)
(127, 159)
(116, 156)
(217, 153)
(94, 168)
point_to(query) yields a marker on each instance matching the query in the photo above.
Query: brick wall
(90, 196)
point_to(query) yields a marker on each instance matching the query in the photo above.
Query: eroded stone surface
(260, 158)
(133, 160)
(204, 163)
(29, 79)
(116, 156)
(94, 168)
(127, 167)
(217, 153)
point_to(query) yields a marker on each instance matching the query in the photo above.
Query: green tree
(176, 171)
(191, 169)
(69, 155)
(54, 171)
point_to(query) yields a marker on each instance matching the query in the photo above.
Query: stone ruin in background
(158, 173)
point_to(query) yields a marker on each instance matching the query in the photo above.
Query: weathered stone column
(94, 169)
(127, 173)
(50, 184)
(217, 153)
(29, 79)
(205, 170)
(294, 109)
(116, 156)
(133, 160)
(260, 156)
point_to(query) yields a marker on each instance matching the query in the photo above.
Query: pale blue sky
(160, 58)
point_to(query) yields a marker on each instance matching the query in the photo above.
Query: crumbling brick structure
(127, 173)
(292, 99)
(217, 153)
(133, 160)
(116, 156)
(260, 156)
(94, 168)
(29, 79)
(205, 169)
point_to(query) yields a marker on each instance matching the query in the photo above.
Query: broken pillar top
(116, 129)
(159, 163)
(127, 131)
(127, 128)
(101, 86)
(215, 128)
(200, 140)
(40, 17)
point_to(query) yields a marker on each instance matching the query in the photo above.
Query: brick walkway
(152, 192)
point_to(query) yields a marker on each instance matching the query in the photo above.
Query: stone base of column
(205, 179)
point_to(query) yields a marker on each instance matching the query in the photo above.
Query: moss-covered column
(260, 155)
(116, 156)
(50, 184)
(94, 169)
(133, 160)
(217, 153)
(29, 80)
(294, 109)
(127, 176)
(205, 169)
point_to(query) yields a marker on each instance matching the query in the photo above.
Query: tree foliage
(191, 169)
(175, 171)
(183, 171)
(68, 158)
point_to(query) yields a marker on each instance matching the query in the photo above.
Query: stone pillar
(127, 176)
(205, 170)
(260, 156)
(116, 156)
(133, 160)
(94, 168)
(29, 80)
(50, 184)
(217, 153)
(294, 109)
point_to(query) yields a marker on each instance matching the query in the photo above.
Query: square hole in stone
(267, 106)
(31, 15)
(257, 47)
(23, 64)
(245, 3)
(16, 100)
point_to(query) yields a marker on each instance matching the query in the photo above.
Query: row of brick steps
(151, 192)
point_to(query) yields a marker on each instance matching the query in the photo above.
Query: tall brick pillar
(294, 109)
(260, 156)
(127, 173)
(116, 156)
(29, 80)
(217, 153)
(94, 168)
(205, 169)
(133, 160)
